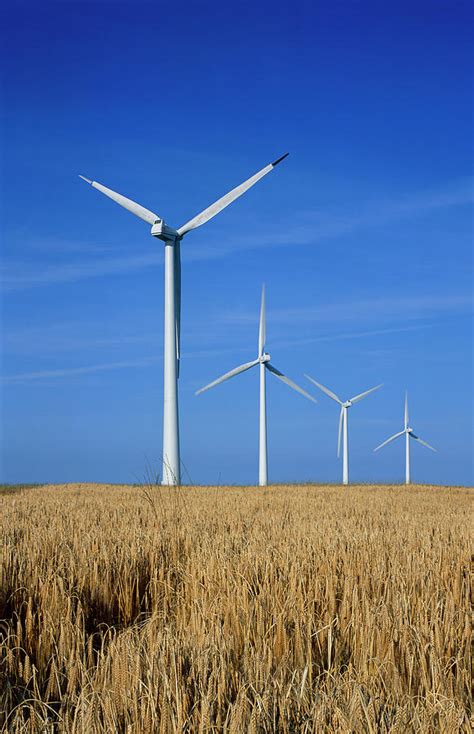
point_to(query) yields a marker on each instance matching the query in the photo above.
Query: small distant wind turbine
(172, 239)
(263, 360)
(345, 405)
(408, 432)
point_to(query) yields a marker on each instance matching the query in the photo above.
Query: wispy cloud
(344, 336)
(42, 375)
(66, 337)
(74, 371)
(311, 228)
(404, 307)
(21, 275)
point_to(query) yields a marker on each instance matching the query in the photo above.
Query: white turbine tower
(408, 433)
(343, 428)
(263, 360)
(172, 238)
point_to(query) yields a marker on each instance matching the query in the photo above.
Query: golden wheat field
(286, 609)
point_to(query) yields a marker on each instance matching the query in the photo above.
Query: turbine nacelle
(163, 232)
(347, 404)
(264, 358)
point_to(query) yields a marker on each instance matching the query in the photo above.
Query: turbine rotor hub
(264, 358)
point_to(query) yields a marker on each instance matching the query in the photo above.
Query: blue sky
(363, 235)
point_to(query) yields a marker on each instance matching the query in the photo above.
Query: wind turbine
(171, 474)
(263, 360)
(408, 432)
(345, 405)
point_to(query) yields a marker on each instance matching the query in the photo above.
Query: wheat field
(285, 609)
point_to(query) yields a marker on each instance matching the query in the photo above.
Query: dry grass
(291, 609)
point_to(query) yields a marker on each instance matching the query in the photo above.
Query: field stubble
(287, 609)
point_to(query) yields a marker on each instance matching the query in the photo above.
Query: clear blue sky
(363, 235)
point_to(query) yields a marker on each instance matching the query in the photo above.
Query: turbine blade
(406, 409)
(392, 438)
(289, 382)
(177, 286)
(363, 394)
(262, 326)
(228, 375)
(325, 389)
(224, 201)
(415, 438)
(132, 206)
(341, 415)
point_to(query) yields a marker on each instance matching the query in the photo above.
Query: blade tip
(279, 160)
(87, 180)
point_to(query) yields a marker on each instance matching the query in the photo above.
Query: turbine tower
(263, 360)
(408, 432)
(171, 474)
(343, 427)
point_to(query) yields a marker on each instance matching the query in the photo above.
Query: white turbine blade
(132, 206)
(341, 415)
(406, 409)
(262, 329)
(289, 382)
(224, 201)
(363, 394)
(228, 375)
(392, 438)
(415, 438)
(325, 389)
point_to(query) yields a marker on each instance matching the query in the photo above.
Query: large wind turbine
(345, 405)
(172, 238)
(408, 432)
(263, 360)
